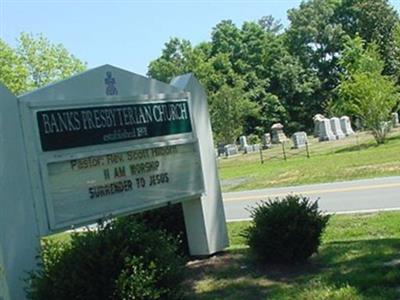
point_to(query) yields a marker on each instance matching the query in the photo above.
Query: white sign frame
(38, 165)
(24, 219)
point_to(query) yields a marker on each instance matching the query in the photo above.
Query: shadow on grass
(364, 269)
(235, 274)
(366, 146)
(367, 265)
(357, 148)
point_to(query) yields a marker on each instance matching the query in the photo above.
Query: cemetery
(324, 129)
(354, 157)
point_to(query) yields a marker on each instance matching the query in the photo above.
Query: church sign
(68, 128)
(136, 173)
(98, 145)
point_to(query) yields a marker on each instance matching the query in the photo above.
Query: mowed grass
(355, 157)
(359, 259)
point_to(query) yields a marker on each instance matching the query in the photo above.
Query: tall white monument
(103, 143)
(345, 124)
(336, 128)
(325, 131)
(317, 119)
(243, 142)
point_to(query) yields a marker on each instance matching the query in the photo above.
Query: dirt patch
(386, 167)
(225, 275)
(236, 267)
(291, 176)
(231, 183)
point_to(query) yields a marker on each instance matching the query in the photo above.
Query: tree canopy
(35, 62)
(12, 72)
(365, 91)
(290, 74)
(287, 74)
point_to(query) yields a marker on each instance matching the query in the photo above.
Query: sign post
(204, 217)
(19, 236)
(103, 143)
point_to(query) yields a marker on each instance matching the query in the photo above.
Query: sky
(129, 33)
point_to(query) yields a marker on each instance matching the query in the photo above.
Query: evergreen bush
(253, 139)
(120, 260)
(168, 218)
(286, 230)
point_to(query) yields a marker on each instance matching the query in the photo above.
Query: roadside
(365, 195)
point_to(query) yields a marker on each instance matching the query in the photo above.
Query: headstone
(395, 119)
(251, 148)
(317, 119)
(325, 131)
(256, 148)
(345, 124)
(278, 136)
(230, 150)
(220, 150)
(243, 142)
(266, 141)
(299, 139)
(336, 128)
(63, 145)
(248, 149)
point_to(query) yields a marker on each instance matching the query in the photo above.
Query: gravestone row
(332, 129)
(324, 129)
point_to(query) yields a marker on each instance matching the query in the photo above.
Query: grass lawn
(64, 237)
(359, 259)
(351, 158)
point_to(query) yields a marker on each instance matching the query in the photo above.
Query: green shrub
(286, 230)
(137, 281)
(253, 139)
(97, 264)
(168, 218)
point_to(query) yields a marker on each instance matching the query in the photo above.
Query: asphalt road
(367, 195)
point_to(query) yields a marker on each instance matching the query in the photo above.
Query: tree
(229, 109)
(316, 40)
(294, 86)
(317, 33)
(290, 75)
(256, 40)
(374, 21)
(270, 24)
(12, 72)
(172, 61)
(45, 62)
(368, 94)
(396, 53)
(255, 55)
(226, 38)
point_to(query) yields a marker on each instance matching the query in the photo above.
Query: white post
(204, 218)
(4, 292)
(19, 238)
